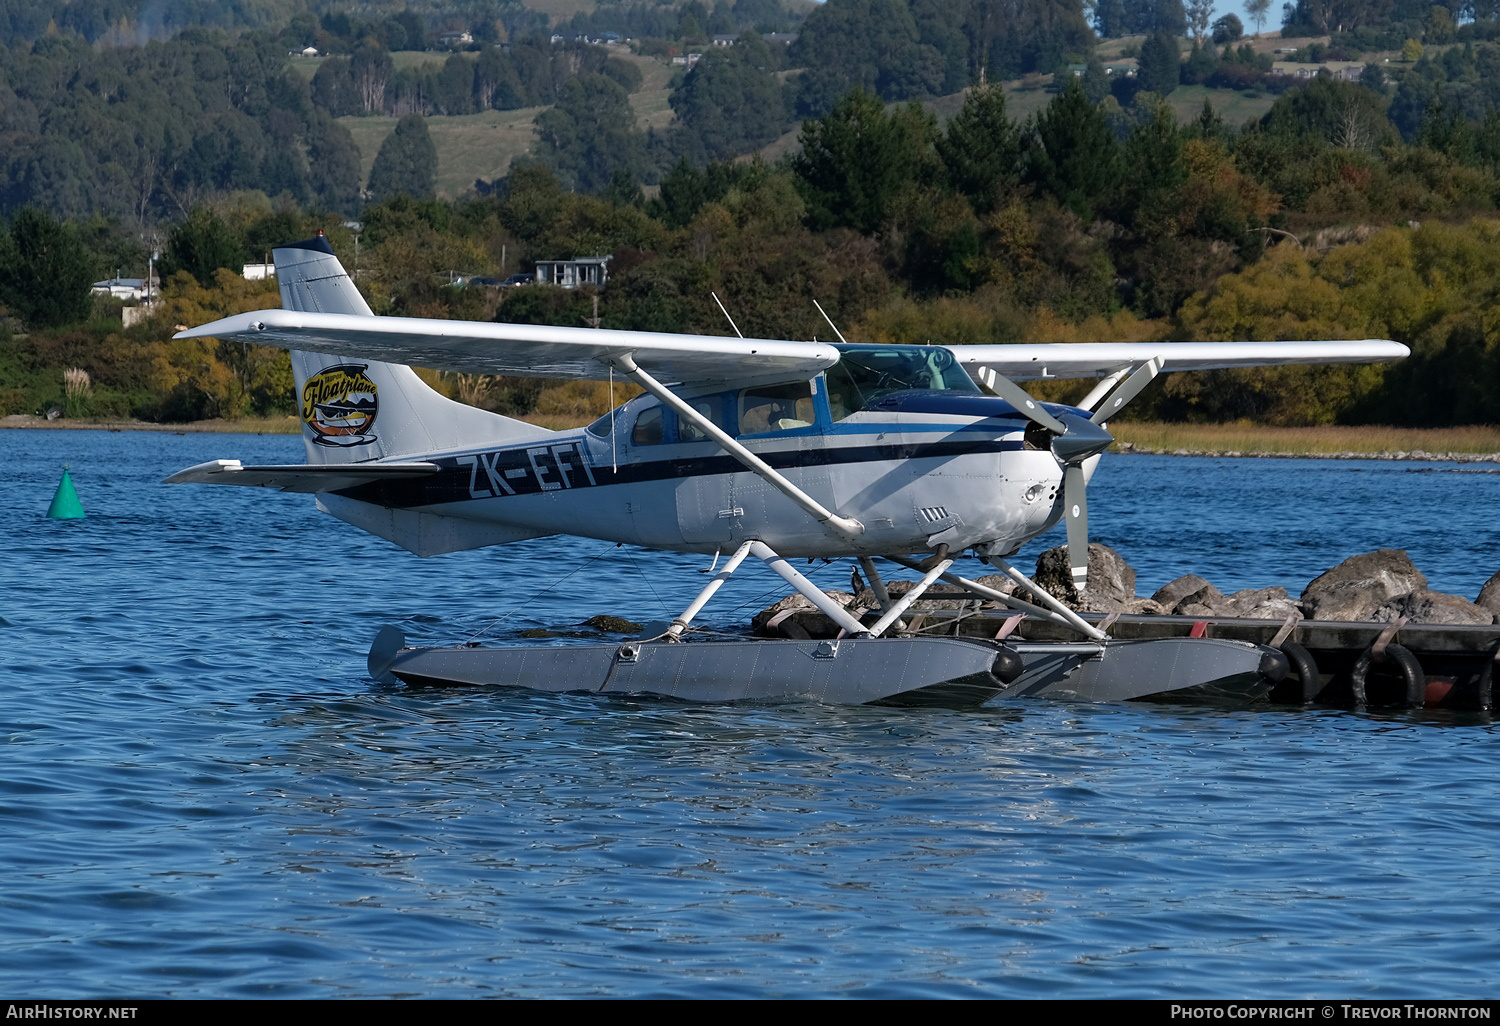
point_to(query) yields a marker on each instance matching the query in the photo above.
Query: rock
(1196, 609)
(1189, 590)
(940, 595)
(796, 601)
(1276, 609)
(1435, 607)
(613, 624)
(1260, 604)
(1489, 596)
(1111, 579)
(1371, 586)
(1149, 607)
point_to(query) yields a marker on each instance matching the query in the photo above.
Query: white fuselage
(913, 480)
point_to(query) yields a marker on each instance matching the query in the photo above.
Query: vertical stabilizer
(358, 410)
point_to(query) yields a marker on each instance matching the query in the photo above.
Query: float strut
(835, 612)
(674, 632)
(911, 596)
(1045, 599)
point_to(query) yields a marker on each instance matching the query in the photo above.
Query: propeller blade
(1076, 512)
(1143, 376)
(1025, 405)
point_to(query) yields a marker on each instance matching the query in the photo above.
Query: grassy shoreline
(1239, 439)
(1246, 439)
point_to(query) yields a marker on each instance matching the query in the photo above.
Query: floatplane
(740, 448)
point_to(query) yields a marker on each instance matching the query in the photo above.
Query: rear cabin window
(776, 408)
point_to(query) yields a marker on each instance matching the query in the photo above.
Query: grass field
(559, 10)
(1234, 107)
(650, 101)
(469, 146)
(1244, 437)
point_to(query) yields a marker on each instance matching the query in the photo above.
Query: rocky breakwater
(1378, 587)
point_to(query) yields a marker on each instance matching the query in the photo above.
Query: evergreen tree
(333, 165)
(1073, 154)
(406, 163)
(1110, 19)
(981, 148)
(1160, 64)
(682, 193)
(857, 160)
(45, 271)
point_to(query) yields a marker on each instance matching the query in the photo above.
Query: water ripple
(203, 795)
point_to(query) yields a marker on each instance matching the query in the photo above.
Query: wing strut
(844, 526)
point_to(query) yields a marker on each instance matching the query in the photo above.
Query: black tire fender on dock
(1305, 669)
(1486, 682)
(1411, 673)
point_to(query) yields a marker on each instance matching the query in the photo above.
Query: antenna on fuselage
(728, 318)
(835, 327)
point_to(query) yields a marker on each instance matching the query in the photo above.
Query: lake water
(202, 794)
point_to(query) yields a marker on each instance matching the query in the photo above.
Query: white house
(127, 289)
(572, 273)
(258, 272)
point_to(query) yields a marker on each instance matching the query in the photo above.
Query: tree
(332, 165)
(590, 133)
(406, 163)
(371, 69)
(727, 105)
(1073, 154)
(201, 245)
(45, 271)
(623, 190)
(1228, 29)
(1160, 64)
(855, 161)
(874, 45)
(1199, 14)
(981, 148)
(1257, 10)
(1109, 18)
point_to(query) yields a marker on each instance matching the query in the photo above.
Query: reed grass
(1245, 437)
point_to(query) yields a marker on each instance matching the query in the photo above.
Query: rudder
(354, 411)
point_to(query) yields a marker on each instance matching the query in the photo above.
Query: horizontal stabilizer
(299, 478)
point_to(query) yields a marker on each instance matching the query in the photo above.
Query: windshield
(865, 373)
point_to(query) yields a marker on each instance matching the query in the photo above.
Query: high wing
(300, 477)
(1031, 361)
(528, 350)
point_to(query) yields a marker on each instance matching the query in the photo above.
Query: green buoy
(65, 504)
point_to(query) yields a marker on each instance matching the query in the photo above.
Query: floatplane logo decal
(339, 405)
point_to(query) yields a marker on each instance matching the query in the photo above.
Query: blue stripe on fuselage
(563, 464)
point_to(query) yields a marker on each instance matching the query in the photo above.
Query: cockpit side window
(865, 373)
(648, 427)
(770, 408)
